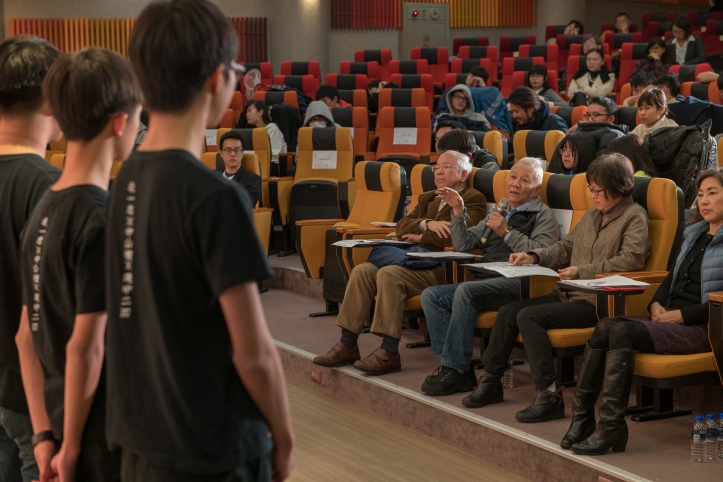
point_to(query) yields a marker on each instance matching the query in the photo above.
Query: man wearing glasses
(599, 109)
(232, 152)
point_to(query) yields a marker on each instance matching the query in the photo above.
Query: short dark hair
(525, 98)
(458, 140)
(660, 43)
(641, 79)
(631, 147)
(260, 105)
(614, 173)
(24, 63)
(449, 123)
(479, 72)
(622, 14)
(175, 47)
(672, 82)
(610, 106)
(684, 24)
(578, 25)
(537, 69)
(327, 90)
(230, 135)
(583, 147)
(86, 88)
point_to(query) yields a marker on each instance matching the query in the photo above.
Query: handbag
(382, 256)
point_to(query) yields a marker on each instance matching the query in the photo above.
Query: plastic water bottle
(720, 435)
(697, 443)
(507, 376)
(711, 437)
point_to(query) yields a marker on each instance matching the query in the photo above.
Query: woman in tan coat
(611, 236)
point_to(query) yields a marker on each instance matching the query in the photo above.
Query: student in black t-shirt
(96, 100)
(196, 389)
(232, 153)
(25, 130)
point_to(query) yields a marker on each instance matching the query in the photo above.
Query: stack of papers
(443, 254)
(509, 271)
(612, 281)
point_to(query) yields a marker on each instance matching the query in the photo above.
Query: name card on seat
(211, 137)
(351, 129)
(405, 136)
(324, 160)
(564, 220)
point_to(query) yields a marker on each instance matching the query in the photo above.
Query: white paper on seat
(443, 254)
(509, 271)
(384, 224)
(324, 160)
(405, 136)
(613, 281)
(211, 137)
(351, 129)
(249, 151)
(564, 220)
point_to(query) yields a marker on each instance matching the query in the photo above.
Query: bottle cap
(699, 418)
(711, 416)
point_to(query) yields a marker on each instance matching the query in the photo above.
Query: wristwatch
(41, 437)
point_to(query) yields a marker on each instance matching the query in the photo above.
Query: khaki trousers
(392, 284)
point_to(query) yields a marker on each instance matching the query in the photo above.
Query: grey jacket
(552, 98)
(710, 271)
(469, 112)
(545, 233)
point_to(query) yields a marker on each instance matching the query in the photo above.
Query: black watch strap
(41, 437)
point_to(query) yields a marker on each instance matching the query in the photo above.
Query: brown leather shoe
(379, 362)
(338, 356)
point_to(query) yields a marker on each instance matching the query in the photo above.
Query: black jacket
(603, 133)
(249, 180)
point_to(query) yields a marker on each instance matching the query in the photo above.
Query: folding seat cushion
(420, 66)
(438, 59)
(402, 98)
(458, 42)
(416, 81)
(510, 46)
(510, 65)
(631, 53)
(540, 144)
(520, 78)
(370, 69)
(302, 68)
(487, 52)
(382, 57)
(347, 81)
(356, 97)
(305, 83)
(263, 226)
(547, 52)
(689, 73)
(264, 68)
(272, 97)
(357, 120)
(713, 37)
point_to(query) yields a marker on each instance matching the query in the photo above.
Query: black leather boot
(547, 406)
(488, 391)
(611, 431)
(589, 383)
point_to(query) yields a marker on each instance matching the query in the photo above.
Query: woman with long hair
(536, 80)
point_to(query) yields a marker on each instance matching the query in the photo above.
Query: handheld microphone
(500, 208)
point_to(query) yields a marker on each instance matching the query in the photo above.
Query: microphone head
(503, 204)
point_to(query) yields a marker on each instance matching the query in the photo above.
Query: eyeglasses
(459, 97)
(228, 150)
(593, 115)
(446, 167)
(565, 150)
(594, 192)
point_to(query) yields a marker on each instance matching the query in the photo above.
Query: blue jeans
(17, 461)
(451, 312)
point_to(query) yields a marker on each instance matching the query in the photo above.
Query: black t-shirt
(178, 235)
(63, 275)
(24, 178)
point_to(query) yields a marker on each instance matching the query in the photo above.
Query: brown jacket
(428, 209)
(622, 245)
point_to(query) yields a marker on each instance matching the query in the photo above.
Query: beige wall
(599, 11)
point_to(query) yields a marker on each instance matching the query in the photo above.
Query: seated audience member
(319, 115)
(657, 62)
(477, 77)
(537, 81)
(461, 106)
(689, 49)
(677, 325)
(451, 310)
(329, 95)
(530, 113)
(373, 94)
(232, 152)
(592, 81)
(670, 85)
(427, 225)
(611, 236)
(257, 115)
(461, 141)
(622, 23)
(443, 127)
(577, 151)
(573, 28)
(591, 42)
(631, 146)
(599, 109)
(654, 113)
(639, 83)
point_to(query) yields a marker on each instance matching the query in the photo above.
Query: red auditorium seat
(689, 73)
(305, 83)
(467, 52)
(356, 97)
(658, 17)
(457, 42)
(713, 38)
(415, 81)
(264, 68)
(510, 65)
(547, 52)
(302, 68)
(657, 29)
(630, 55)
(698, 19)
(382, 57)
(552, 31)
(420, 66)
(519, 79)
(370, 69)
(510, 46)
(438, 60)
(564, 45)
(616, 40)
(347, 81)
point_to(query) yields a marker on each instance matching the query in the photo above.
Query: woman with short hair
(595, 79)
(654, 113)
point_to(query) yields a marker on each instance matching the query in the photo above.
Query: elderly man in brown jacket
(427, 225)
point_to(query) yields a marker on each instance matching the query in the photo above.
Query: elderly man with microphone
(521, 222)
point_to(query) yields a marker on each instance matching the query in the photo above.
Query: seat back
(631, 53)
(694, 89)
(576, 49)
(658, 29)
(265, 69)
(308, 84)
(356, 120)
(628, 116)
(699, 18)
(494, 142)
(402, 98)
(577, 63)
(520, 78)
(403, 130)
(256, 141)
(510, 65)
(370, 69)
(491, 184)
(356, 97)
(378, 192)
(450, 80)
(420, 66)
(552, 31)
(658, 17)
(458, 42)
(547, 52)
(273, 97)
(438, 59)
(510, 46)
(237, 107)
(324, 153)
(689, 73)
(540, 144)
(463, 66)
(616, 40)
(381, 56)
(604, 27)
(567, 203)
(416, 81)
(625, 91)
(302, 68)
(57, 161)
(421, 180)
(487, 52)
(713, 38)
(571, 115)
(347, 81)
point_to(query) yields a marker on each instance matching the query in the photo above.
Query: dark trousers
(138, 469)
(532, 318)
(97, 464)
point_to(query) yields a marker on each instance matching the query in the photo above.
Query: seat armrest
(716, 297)
(645, 276)
(362, 230)
(279, 179)
(319, 222)
(262, 210)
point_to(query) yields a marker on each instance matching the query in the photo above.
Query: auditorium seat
(416, 81)
(540, 144)
(626, 90)
(699, 18)
(347, 81)
(458, 42)
(631, 53)
(510, 46)
(420, 66)
(237, 106)
(264, 68)
(56, 147)
(305, 83)
(657, 29)
(438, 59)
(302, 68)
(571, 115)
(494, 142)
(658, 17)
(547, 52)
(272, 97)
(381, 56)
(576, 49)
(628, 116)
(564, 45)
(552, 31)
(57, 161)
(712, 39)
(519, 79)
(490, 52)
(262, 226)
(689, 73)
(463, 66)
(616, 40)
(450, 80)
(357, 120)
(511, 65)
(370, 69)
(402, 98)
(356, 97)
(695, 89)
